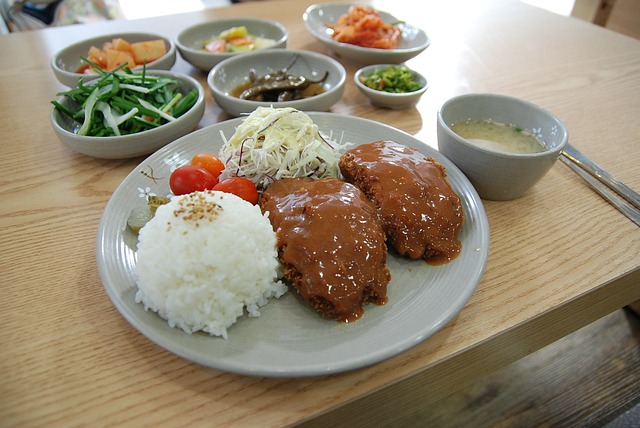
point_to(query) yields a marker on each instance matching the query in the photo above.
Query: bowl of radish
(108, 52)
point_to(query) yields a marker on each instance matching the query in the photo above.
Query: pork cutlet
(330, 243)
(421, 214)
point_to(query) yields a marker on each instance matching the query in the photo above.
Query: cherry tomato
(239, 186)
(190, 178)
(209, 162)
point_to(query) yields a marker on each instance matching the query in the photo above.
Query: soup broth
(498, 136)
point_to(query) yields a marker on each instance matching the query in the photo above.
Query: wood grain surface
(589, 378)
(560, 258)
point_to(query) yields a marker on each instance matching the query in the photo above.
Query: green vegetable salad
(122, 102)
(395, 78)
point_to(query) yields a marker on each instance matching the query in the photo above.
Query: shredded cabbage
(274, 143)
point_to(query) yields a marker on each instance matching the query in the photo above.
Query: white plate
(289, 339)
(412, 42)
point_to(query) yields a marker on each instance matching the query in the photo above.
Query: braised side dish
(330, 244)
(363, 26)
(421, 214)
(278, 86)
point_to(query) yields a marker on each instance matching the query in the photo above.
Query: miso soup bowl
(499, 175)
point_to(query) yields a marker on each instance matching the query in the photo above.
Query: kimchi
(363, 26)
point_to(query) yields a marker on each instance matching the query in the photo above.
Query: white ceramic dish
(289, 339)
(412, 42)
(232, 72)
(65, 63)
(191, 40)
(131, 145)
(389, 99)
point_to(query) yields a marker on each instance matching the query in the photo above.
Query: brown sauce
(330, 243)
(421, 214)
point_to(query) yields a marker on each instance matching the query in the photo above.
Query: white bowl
(390, 99)
(190, 41)
(232, 72)
(131, 145)
(412, 41)
(67, 61)
(499, 175)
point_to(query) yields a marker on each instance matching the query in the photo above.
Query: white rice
(203, 258)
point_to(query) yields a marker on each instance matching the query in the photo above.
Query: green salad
(394, 78)
(122, 102)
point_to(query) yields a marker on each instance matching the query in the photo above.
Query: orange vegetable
(120, 44)
(363, 26)
(145, 52)
(118, 51)
(116, 58)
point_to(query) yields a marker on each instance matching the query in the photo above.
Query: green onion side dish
(395, 79)
(122, 102)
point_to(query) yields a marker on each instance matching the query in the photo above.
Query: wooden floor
(588, 379)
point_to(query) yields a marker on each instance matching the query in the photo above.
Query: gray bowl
(389, 99)
(131, 145)
(412, 41)
(65, 62)
(191, 39)
(232, 72)
(498, 175)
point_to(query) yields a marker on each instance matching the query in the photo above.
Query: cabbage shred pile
(275, 143)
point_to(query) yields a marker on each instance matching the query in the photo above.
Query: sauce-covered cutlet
(330, 243)
(421, 214)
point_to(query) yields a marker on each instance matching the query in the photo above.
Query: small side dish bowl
(66, 62)
(411, 43)
(191, 40)
(131, 145)
(231, 73)
(500, 173)
(392, 100)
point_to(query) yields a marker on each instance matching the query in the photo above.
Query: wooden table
(561, 257)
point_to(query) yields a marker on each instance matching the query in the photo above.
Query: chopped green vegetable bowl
(390, 85)
(392, 78)
(124, 114)
(123, 102)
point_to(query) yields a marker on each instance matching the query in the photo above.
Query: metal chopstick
(594, 169)
(625, 199)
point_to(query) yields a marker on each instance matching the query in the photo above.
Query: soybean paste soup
(498, 136)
